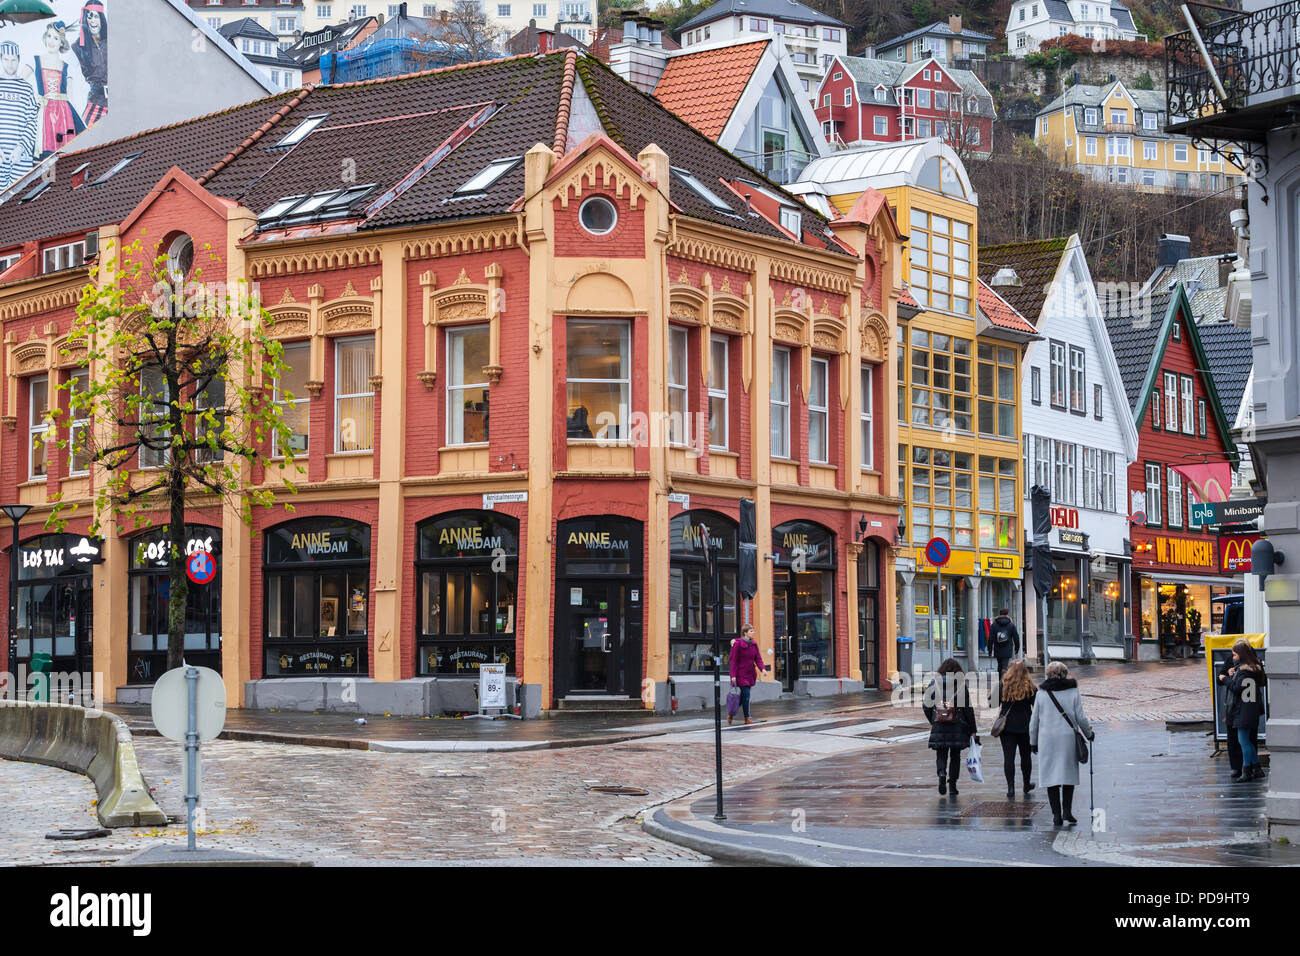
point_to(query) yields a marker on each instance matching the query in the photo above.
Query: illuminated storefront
(1177, 579)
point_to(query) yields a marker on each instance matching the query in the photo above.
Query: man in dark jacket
(1004, 640)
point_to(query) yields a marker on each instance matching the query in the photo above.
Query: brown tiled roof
(382, 131)
(999, 312)
(703, 88)
(1035, 263)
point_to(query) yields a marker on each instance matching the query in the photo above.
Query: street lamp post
(15, 514)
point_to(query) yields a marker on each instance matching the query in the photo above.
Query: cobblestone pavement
(340, 806)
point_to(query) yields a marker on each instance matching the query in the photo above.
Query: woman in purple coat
(746, 662)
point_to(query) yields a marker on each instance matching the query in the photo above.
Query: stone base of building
(135, 694)
(826, 686)
(695, 691)
(419, 697)
(1148, 651)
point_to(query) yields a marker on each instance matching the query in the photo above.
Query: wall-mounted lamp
(862, 528)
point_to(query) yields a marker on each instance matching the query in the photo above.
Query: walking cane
(1092, 793)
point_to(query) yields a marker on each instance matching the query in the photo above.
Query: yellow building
(1116, 134)
(958, 353)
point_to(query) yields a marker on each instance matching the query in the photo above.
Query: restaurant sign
(1234, 552)
(1186, 552)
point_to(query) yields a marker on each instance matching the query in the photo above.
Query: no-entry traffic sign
(200, 567)
(937, 552)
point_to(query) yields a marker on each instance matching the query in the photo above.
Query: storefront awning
(1161, 578)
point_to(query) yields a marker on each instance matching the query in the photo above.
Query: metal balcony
(1236, 78)
(781, 166)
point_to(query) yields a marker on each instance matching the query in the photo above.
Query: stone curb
(89, 742)
(412, 746)
(720, 849)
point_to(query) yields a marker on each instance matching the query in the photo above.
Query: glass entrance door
(781, 630)
(934, 637)
(598, 637)
(801, 620)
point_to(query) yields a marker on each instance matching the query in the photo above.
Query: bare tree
(469, 32)
(964, 130)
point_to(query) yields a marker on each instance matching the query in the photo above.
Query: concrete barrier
(89, 742)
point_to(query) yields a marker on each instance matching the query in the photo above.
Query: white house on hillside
(1031, 22)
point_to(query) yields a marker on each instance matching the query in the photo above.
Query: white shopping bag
(973, 769)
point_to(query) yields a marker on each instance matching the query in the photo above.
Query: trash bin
(905, 645)
(1130, 647)
(40, 668)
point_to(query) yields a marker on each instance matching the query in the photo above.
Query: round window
(598, 215)
(180, 256)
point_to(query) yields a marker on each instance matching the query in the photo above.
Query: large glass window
(780, 403)
(149, 602)
(38, 403)
(818, 416)
(719, 403)
(940, 380)
(599, 369)
(690, 606)
(468, 352)
(153, 417)
(868, 436)
(291, 396)
(999, 506)
(678, 389)
(940, 273)
(468, 571)
(997, 389)
(942, 495)
(354, 396)
(316, 597)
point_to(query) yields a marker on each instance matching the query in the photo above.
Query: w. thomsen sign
(1186, 552)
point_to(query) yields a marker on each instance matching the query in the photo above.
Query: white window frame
(1188, 396)
(848, 96)
(1150, 150)
(455, 403)
(1107, 487)
(38, 428)
(340, 397)
(1043, 465)
(819, 411)
(779, 404)
(880, 126)
(69, 255)
(1089, 117)
(719, 371)
(679, 389)
(1090, 474)
(867, 434)
(76, 425)
(1180, 152)
(276, 396)
(207, 455)
(1154, 504)
(1174, 482)
(1171, 402)
(1078, 380)
(624, 382)
(1090, 146)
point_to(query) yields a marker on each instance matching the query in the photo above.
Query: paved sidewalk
(1162, 801)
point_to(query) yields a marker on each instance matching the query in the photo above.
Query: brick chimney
(545, 40)
(954, 23)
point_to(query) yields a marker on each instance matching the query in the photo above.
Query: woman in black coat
(1017, 692)
(952, 722)
(1246, 682)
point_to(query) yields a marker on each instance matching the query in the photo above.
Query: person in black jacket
(1017, 706)
(1004, 640)
(1245, 683)
(952, 722)
(1234, 745)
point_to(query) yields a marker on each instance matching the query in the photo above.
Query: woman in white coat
(1051, 736)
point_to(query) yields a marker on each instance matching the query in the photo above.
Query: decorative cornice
(711, 253)
(460, 243)
(290, 263)
(802, 275)
(45, 302)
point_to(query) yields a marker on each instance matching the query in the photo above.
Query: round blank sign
(171, 707)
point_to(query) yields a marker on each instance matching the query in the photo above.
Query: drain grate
(621, 791)
(637, 750)
(78, 834)
(1020, 810)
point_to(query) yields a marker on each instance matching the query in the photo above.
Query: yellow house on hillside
(1116, 134)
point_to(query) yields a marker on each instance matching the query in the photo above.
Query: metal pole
(13, 612)
(191, 751)
(712, 560)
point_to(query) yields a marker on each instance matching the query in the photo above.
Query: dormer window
(792, 219)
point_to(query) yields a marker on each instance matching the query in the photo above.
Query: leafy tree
(176, 402)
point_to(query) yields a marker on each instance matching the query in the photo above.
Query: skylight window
(116, 168)
(279, 208)
(485, 179)
(40, 188)
(704, 192)
(302, 130)
(314, 207)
